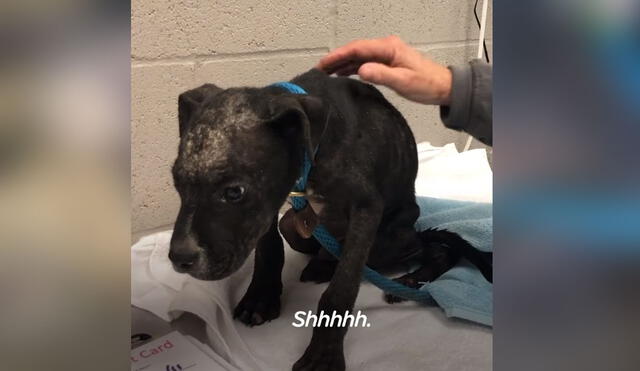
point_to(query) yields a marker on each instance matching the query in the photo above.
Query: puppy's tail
(460, 247)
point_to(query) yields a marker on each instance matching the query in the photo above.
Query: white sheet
(404, 336)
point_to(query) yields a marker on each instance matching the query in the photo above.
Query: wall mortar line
(203, 58)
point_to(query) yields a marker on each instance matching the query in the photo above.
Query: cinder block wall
(177, 45)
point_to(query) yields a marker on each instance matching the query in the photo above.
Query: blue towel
(462, 291)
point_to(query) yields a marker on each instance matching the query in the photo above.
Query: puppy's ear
(190, 101)
(300, 118)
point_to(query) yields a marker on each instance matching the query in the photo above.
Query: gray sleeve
(471, 101)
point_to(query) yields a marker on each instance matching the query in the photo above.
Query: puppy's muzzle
(184, 254)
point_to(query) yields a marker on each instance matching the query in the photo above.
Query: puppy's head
(240, 153)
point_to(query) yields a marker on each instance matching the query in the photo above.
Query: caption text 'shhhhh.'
(306, 319)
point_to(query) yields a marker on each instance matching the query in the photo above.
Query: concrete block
(451, 55)
(254, 71)
(415, 21)
(154, 140)
(167, 28)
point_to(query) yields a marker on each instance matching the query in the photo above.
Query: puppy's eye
(233, 194)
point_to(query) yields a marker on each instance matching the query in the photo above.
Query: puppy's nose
(183, 253)
(183, 260)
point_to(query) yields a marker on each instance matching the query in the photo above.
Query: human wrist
(443, 87)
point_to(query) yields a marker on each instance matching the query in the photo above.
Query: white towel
(404, 336)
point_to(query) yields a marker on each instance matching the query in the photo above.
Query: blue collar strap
(290, 87)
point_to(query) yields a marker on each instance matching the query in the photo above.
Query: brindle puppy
(241, 151)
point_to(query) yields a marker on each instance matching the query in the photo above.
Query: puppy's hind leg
(437, 258)
(396, 239)
(459, 246)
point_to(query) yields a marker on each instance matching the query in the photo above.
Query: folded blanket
(463, 291)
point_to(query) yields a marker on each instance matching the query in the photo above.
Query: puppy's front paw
(323, 357)
(258, 307)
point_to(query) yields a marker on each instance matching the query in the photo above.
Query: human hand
(392, 63)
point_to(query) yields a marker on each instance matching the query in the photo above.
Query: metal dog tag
(305, 221)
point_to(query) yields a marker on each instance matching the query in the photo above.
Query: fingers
(358, 52)
(348, 69)
(378, 73)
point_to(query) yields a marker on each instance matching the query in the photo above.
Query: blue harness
(322, 235)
